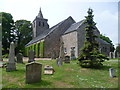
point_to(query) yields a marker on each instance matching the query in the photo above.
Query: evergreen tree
(90, 55)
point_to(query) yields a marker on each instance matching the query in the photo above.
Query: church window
(43, 24)
(65, 50)
(39, 23)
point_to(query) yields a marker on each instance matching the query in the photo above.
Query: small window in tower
(43, 24)
(39, 23)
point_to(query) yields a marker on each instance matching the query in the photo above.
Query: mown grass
(66, 76)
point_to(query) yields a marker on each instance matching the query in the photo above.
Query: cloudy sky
(105, 12)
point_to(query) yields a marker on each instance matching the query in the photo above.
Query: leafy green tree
(23, 30)
(107, 39)
(90, 55)
(7, 31)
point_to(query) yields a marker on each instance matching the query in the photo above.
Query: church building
(47, 41)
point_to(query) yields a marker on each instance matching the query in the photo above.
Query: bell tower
(39, 24)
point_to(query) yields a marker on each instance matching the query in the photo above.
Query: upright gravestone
(19, 58)
(111, 55)
(59, 61)
(67, 59)
(112, 72)
(33, 72)
(31, 56)
(11, 66)
(116, 54)
(61, 55)
(72, 53)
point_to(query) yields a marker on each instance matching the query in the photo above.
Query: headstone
(48, 70)
(61, 55)
(11, 66)
(59, 61)
(19, 58)
(115, 54)
(53, 55)
(111, 55)
(72, 53)
(31, 56)
(33, 72)
(67, 59)
(112, 72)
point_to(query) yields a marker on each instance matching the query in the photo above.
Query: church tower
(39, 24)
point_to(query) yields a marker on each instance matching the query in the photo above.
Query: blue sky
(105, 12)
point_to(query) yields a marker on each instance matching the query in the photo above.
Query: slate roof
(45, 33)
(102, 41)
(74, 27)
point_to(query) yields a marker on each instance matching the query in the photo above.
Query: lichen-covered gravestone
(33, 72)
(67, 59)
(19, 58)
(111, 55)
(31, 56)
(59, 61)
(112, 72)
(72, 53)
(11, 65)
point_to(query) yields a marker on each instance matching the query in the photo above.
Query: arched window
(43, 24)
(39, 23)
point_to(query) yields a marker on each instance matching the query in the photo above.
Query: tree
(107, 39)
(23, 30)
(90, 55)
(7, 31)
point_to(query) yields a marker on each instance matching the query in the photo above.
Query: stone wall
(52, 41)
(70, 40)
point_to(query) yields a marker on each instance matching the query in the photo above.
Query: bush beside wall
(38, 48)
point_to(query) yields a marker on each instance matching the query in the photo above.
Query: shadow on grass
(39, 84)
(105, 67)
(101, 68)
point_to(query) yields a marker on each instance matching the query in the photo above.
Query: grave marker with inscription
(33, 72)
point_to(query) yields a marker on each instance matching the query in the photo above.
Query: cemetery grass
(66, 76)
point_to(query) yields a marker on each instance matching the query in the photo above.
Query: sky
(105, 12)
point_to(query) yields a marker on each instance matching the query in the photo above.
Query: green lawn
(67, 76)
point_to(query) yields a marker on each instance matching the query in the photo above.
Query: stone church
(68, 32)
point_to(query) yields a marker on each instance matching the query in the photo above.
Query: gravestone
(111, 55)
(111, 72)
(33, 72)
(31, 56)
(53, 54)
(67, 59)
(116, 54)
(48, 70)
(59, 61)
(11, 66)
(19, 58)
(72, 53)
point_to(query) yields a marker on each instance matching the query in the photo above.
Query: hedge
(42, 49)
(38, 48)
